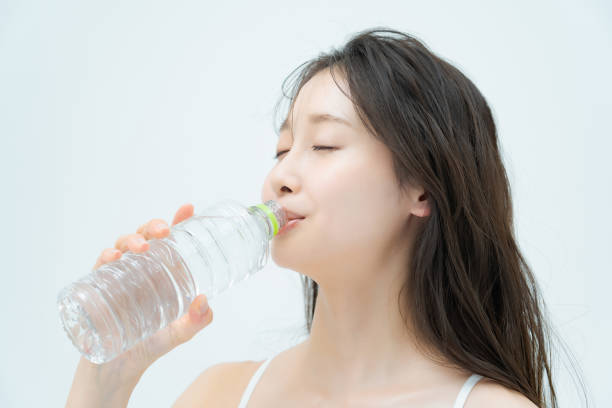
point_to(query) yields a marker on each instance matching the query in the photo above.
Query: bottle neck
(273, 216)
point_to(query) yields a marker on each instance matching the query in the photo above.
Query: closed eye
(313, 148)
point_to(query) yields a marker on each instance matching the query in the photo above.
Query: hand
(130, 365)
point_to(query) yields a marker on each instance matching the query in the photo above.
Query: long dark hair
(469, 293)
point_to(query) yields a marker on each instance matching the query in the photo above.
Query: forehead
(321, 101)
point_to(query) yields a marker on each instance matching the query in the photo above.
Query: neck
(359, 340)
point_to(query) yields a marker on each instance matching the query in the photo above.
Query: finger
(184, 212)
(199, 310)
(199, 316)
(156, 228)
(107, 255)
(132, 242)
(182, 329)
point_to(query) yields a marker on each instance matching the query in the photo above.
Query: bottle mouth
(275, 213)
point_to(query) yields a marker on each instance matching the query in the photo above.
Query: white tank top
(459, 401)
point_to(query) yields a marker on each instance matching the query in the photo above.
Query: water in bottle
(123, 302)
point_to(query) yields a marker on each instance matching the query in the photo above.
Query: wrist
(100, 385)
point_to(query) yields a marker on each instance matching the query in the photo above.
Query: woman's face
(354, 215)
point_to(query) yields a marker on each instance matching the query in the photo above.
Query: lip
(291, 215)
(291, 224)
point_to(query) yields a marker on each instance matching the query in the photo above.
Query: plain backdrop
(116, 112)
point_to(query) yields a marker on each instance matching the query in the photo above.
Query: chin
(285, 257)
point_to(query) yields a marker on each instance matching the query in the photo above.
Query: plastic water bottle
(125, 301)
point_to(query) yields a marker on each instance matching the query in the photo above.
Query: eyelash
(313, 148)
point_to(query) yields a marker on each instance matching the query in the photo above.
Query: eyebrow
(316, 118)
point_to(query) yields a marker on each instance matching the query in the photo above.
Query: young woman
(416, 292)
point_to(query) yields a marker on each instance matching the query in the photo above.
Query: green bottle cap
(270, 215)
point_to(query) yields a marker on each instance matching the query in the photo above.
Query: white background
(113, 113)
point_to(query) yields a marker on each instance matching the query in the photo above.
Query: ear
(419, 202)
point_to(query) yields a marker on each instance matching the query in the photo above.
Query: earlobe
(417, 202)
(422, 211)
(422, 206)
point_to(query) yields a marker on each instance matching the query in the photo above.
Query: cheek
(352, 202)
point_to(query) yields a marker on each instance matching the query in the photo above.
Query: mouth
(291, 224)
(291, 215)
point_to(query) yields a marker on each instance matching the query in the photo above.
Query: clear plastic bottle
(123, 302)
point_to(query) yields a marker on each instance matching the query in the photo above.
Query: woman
(416, 292)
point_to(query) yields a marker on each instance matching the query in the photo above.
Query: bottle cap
(275, 214)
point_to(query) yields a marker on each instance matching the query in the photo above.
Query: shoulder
(487, 391)
(219, 385)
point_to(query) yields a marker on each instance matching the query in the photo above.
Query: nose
(275, 189)
(284, 178)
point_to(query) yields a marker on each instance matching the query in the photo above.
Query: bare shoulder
(487, 391)
(220, 385)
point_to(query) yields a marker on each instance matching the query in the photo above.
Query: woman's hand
(116, 378)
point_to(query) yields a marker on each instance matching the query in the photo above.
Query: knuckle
(136, 241)
(157, 221)
(157, 226)
(120, 243)
(111, 254)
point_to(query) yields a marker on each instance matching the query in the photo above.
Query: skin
(111, 384)
(356, 243)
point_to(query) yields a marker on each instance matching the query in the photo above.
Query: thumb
(180, 330)
(198, 317)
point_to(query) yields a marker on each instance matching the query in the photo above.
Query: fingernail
(203, 306)
(161, 228)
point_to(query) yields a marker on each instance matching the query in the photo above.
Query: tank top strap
(465, 390)
(459, 402)
(253, 382)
